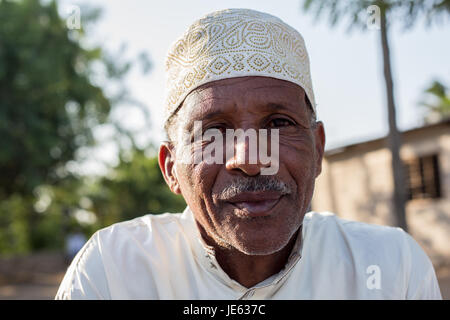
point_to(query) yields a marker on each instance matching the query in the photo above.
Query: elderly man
(235, 79)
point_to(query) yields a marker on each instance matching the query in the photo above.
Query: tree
(389, 10)
(50, 101)
(131, 189)
(437, 102)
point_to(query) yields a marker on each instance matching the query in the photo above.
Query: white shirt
(164, 257)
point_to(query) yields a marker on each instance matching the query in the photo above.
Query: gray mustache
(254, 184)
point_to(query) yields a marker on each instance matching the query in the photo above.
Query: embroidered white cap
(235, 43)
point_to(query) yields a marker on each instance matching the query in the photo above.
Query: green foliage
(354, 12)
(437, 102)
(14, 229)
(49, 106)
(52, 206)
(133, 188)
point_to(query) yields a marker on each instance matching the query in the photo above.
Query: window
(422, 178)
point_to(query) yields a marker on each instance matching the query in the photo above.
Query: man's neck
(250, 270)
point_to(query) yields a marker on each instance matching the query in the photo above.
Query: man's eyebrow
(284, 106)
(270, 106)
(210, 115)
(275, 106)
(202, 117)
(218, 113)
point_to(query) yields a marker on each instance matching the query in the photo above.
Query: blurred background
(81, 118)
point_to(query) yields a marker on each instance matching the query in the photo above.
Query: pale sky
(346, 68)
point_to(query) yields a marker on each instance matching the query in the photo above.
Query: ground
(38, 277)
(35, 276)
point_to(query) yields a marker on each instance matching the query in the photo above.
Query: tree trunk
(394, 138)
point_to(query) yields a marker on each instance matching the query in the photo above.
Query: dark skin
(249, 248)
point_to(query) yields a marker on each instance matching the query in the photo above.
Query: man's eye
(280, 122)
(216, 127)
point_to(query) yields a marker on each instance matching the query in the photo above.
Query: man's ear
(319, 134)
(166, 160)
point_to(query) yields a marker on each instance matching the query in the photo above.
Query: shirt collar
(205, 256)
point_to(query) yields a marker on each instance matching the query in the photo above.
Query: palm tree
(407, 11)
(437, 102)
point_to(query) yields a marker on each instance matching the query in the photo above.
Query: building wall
(429, 219)
(356, 184)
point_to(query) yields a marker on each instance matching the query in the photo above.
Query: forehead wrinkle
(204, 101)
(278, 86)
(300, 93)
(212, 110)
(220, 85)
(208, 110)
(219, 94)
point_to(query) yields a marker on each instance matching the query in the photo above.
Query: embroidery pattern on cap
(235, 43)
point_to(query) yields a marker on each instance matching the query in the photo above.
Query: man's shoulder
(359, 238)
(130, 234)
(365, 240)
(329, 220)
(360, 249)
(143, 227)
(143, 221)
(122, 248)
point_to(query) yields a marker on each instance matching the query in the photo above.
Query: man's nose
(245, 158)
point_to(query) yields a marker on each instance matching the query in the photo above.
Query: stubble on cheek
(197, 189)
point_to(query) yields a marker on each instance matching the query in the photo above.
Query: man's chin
(259, 247)
(259, 237)
(259, 251)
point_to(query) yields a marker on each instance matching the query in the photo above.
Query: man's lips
(255, 204)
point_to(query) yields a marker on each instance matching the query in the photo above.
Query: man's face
(233, 204)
